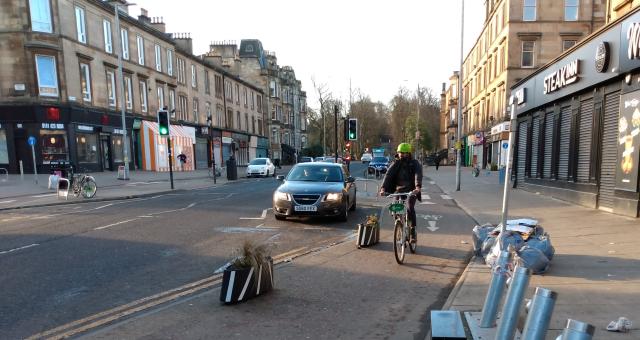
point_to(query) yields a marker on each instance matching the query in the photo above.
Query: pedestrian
(183, 160)
(437, 161)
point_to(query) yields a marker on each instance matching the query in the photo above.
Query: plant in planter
(369, 232)
(248, 275)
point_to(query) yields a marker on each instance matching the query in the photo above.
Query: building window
(229, 119)
(54, 146)
(4, 151)
(237, 94)
(140, 43)
(170, 62)
(124, 36)
(207, 85)
(196, 116)
(253, 100)
(47, 76)
(246, 99)
(111, 89)
(272, 88)
(219, 115)
(85, 82)
(182, 104)
(181, 71)
(207, 108)
(87, 147)
(158, 58)
(567, 44)
(194, 77)
(106, 29)
(571, 10)
(239, 126)
(81, 27)
(128, 92)
(228, 90)
(260, 126)
(259, 103)
(160, 97)
(172, 102)
(143, 96)
(273, 112)
(218, 86)
(253, 125)
(527, 53)
(246, 122)
(40, 16)
(529, 10)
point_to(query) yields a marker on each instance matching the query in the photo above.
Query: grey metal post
(122, 104)
(578, 330)
(35, 166)
(513, 304)
(535, 328)
(507, 169)
(496, 288)
(458, 149)
(21, 171)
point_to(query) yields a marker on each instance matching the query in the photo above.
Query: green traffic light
(163, 131)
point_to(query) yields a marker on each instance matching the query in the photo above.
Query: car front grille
(306, 199)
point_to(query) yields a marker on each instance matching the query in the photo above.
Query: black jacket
(403, 175)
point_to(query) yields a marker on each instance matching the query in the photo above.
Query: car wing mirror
(280, 178)
(350, 179)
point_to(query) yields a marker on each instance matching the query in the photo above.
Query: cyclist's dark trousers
(412, 210)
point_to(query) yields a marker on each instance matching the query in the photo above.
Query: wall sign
(602, 57)
(521, 96)
(628, 141)
(53, 126)
(566, 75)
(633, 41)
(85, 128)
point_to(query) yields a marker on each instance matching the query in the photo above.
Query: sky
(377, 45)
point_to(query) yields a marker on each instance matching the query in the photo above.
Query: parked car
(315, 189)
(378, 165)
(261, 167)
(305, 159)
(318, 159)
(366, 157)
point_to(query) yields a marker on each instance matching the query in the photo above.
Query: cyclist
(405, 175)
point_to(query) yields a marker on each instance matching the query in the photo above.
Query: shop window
(54, 146)
(117, 148)
(47, 75)
(4, 153)
(87, 147)
(571, 10)
(40, 16)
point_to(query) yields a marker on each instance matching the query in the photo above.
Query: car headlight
(334, 196)
(281, 196)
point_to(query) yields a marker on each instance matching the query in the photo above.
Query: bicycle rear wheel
(398, 241)
(89, 188)
(414, 245)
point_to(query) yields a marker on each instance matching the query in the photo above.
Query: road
(65, 263)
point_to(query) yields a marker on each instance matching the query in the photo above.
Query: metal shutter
(534, 146)
(548, 145)
(522, 151)
(584, 140)
(565, 134)
(609, 151)
(201, 153)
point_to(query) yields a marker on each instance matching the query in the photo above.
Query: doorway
(105, 145)
(23, 153)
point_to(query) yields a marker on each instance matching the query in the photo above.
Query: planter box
(367, 235)
(241, 284)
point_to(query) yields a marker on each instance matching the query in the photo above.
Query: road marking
(432, 226)
(430, 217)
(446, 197)
(19, 248)
(47, 195)
(426, 202)
(115, 224)
(432, 182)
(10, 201)
(262, 217)
(104, 206)
(425, 196)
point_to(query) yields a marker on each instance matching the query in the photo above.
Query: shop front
(242, 146)
(578, 122)
(155, 147)
(499, 141)
(202, 147)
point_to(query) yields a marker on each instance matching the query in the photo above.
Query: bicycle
(401, 234)
(84, 185)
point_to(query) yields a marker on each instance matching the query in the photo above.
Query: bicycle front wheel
(89, 188)
(398, 241)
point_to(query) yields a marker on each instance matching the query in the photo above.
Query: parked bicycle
(401, 235)
(84, 185)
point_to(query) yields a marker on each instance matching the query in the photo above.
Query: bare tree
(323, 96)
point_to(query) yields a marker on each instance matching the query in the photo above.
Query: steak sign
(566, 75)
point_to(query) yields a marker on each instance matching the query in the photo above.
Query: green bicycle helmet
(404, 147)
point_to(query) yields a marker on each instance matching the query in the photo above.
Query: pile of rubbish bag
(528, 240)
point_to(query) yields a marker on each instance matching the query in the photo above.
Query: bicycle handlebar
(399, 194)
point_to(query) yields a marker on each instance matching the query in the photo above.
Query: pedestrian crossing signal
(163, 122)
(353, 129)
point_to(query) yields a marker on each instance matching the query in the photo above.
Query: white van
(366, 157)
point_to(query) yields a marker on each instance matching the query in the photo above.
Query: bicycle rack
(64, 192)
(6, 174)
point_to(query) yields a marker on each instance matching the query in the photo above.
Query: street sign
(505, 145)
(31, 141)
(458, 145)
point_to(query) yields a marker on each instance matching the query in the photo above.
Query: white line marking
(232, 279)
(426, 202)
(114, 224)
(446, 197)
(246, 284)
(10, 201)
(425, 196)
(47, 195)
(104, 206)
(19, 248)
(432, 182)
(260, 225)
(264, 212)
(432, 226)
(262, 217)
(432, 223)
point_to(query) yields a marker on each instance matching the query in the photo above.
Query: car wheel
(353, 206)
(280, 217)
(267, 174)
(274, 172)
(344, 216)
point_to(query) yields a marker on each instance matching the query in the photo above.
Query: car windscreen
(380, 160)
(315, 174)
(258, 162)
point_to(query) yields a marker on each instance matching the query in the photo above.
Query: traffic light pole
(170, 161)
(335, 135)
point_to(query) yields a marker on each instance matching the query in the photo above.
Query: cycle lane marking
(19, 248)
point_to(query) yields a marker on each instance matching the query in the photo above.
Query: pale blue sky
(378, 44)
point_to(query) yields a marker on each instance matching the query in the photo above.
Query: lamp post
(125, 141)
(459, 143)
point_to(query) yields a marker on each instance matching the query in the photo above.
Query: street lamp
(116, 5)
(459, 146)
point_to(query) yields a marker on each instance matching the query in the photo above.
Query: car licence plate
(305, 208)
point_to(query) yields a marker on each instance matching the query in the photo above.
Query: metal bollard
(513, 304)
(577, 330)
(496, 288)
(21, 171)
(535, 328)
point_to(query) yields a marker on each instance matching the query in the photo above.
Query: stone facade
(449, 118)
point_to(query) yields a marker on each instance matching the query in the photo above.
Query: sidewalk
(596, 267)
(23, 192)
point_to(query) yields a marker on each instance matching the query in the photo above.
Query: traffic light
(353, 129)
(163, 122)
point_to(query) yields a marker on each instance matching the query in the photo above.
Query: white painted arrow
(432, 226)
